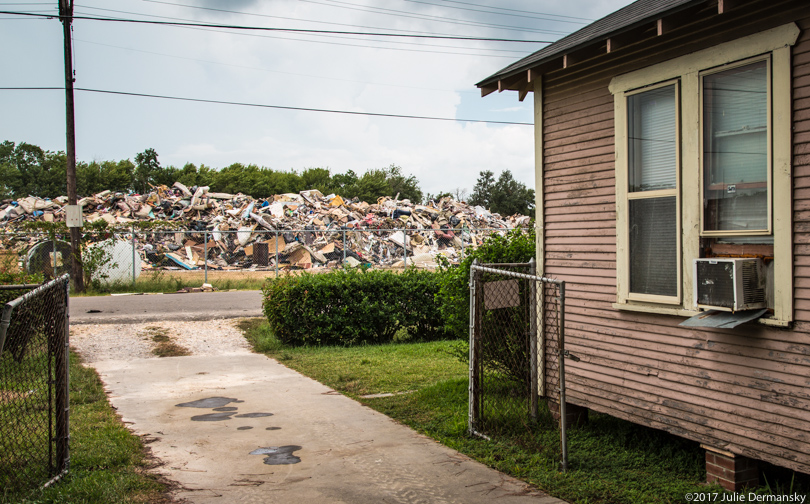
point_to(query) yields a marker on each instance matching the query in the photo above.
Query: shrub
(453, 298)
(505, 353)
(350, 307)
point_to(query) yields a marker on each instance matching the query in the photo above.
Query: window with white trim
(703, 159)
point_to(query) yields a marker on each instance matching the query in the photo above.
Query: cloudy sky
(401, 76)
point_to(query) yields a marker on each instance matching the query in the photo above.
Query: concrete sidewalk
(239, 427)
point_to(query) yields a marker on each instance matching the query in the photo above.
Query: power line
(263, 28)
(513, 53)
(517, 10)
(260, 105)
(364, 46)
(399, 13)
(227, 11)
(275, 71)
(522, 16)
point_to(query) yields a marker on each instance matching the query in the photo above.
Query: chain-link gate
(516, 348)
(34, 429)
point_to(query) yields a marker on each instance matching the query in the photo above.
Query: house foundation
(574, 415)
(732, 472)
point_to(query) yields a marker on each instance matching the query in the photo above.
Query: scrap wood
(322, 226)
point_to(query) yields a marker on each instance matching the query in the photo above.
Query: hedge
(348, 307)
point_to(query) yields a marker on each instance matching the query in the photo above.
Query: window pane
(652, 139)
(653, 246)
(735, 149)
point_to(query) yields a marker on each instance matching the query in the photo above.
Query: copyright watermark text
(743, 497)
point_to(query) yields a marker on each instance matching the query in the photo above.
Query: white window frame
(623, 192)
(687, 70)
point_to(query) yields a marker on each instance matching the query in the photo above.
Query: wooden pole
(66, 15)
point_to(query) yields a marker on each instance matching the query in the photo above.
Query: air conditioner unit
(730, 284)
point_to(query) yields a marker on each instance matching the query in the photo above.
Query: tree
(146, 169)
(505, 196)
(27, 169)
(406, 187)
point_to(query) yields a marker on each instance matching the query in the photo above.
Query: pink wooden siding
(746, 390)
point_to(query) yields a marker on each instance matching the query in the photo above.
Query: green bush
(351, 307)
(518, 246)
(505, 350)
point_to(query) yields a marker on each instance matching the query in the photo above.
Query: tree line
(27, 169)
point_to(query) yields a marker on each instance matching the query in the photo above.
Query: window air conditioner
(730, 284)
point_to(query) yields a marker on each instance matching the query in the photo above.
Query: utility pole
(66, 15)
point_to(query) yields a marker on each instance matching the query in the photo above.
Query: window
(703, 155)
(736, 139)
(652, 122)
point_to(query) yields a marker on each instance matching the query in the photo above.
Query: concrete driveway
(233, 426)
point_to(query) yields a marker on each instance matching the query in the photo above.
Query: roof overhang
(627, 26)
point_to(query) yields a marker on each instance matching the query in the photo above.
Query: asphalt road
(155, 307)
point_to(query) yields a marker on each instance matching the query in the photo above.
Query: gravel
(104, 342)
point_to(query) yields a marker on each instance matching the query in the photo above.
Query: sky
(356, 73)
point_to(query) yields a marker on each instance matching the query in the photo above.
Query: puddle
(272, 428)
(245, 427)
(279, 455)
(254, 415)
(209, 402)
(226, 408)
(212, 417)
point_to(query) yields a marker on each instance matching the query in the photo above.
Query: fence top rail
(18, 287)
(8, 308)
(63, 279)
(514, 274)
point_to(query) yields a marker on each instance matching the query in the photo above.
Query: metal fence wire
(123, 255)
(514, 346)
(34, 426)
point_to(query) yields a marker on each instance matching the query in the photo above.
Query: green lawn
(611, 461)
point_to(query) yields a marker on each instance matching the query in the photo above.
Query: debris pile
(296, 231)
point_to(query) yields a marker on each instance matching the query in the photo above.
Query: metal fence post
(276, 253)
(133, 254)
(54, 264)
(404, 249)
(532, 313)
(205, 254)
(561, 359)
(472, 413)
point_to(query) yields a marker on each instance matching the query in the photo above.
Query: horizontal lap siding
(746, 390)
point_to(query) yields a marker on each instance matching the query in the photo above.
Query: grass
(164, 345)
(172, 281)
(362, 370)
(107, 463)
(611, 461)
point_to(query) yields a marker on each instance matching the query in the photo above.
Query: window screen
(653, 216)
(735, 149)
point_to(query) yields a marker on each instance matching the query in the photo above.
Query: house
(670, 131)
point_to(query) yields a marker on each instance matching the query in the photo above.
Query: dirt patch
(165, 346)
(103, 342)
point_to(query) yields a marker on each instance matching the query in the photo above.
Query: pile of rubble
(304, 230)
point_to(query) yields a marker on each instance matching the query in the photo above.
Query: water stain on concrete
(279, 455)
(254, 415)
(209, 402)
(212, 417)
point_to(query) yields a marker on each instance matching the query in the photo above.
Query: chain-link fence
(123, 256)
(34, 431)
(516, 345)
